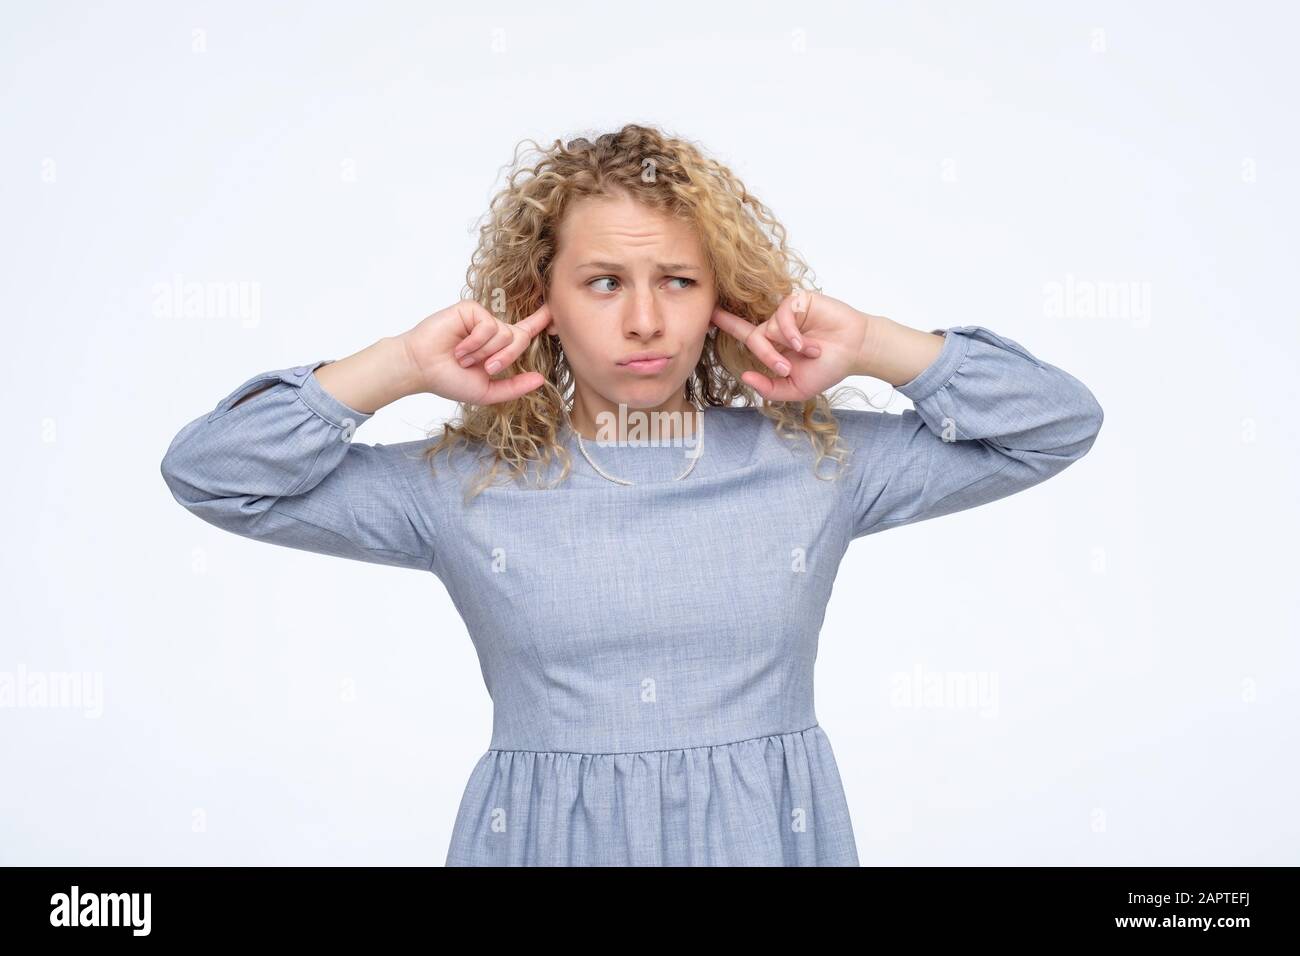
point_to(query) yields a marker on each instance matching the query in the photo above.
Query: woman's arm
(275, 461)
(990, 419)
(367, 381)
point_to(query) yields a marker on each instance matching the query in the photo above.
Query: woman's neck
(675, 420)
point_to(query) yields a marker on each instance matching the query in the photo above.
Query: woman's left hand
(812, 342)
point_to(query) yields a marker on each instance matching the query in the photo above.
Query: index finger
(731, 324)
(534, 323)
(744, 331)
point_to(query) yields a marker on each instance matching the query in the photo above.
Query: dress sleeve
(282, 467)
(990, 419)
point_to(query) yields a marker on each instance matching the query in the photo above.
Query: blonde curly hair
(510, 272)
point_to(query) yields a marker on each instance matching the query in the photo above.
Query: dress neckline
(571, 434)
(652, 462)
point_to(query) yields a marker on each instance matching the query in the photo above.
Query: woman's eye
(592, 283)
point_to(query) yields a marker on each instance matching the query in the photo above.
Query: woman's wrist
(376, 376)
(895, 353)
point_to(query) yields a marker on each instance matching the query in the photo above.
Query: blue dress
(648, 648)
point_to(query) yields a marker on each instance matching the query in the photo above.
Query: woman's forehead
(612, 232)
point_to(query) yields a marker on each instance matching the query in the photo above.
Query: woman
(645, 613)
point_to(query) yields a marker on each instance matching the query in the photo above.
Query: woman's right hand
(454, 353)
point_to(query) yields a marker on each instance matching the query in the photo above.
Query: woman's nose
(643, 314)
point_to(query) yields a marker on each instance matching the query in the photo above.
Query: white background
(942, 164)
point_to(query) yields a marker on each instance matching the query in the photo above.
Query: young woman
(646, 614)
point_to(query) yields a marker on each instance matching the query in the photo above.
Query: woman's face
(628, 280)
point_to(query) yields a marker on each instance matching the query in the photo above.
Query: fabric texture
(649, 649)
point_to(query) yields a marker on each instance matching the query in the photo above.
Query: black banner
(1234, 906)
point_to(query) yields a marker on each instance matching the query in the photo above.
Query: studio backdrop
(1098, 670)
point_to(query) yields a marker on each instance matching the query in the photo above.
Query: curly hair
(510, 271)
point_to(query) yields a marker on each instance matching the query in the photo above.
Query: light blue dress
(649, 649)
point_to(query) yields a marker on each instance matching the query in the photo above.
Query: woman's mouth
(648, 366)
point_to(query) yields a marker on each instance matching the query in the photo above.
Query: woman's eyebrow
(662, 266)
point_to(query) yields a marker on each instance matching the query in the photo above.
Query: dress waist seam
(658, 750)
